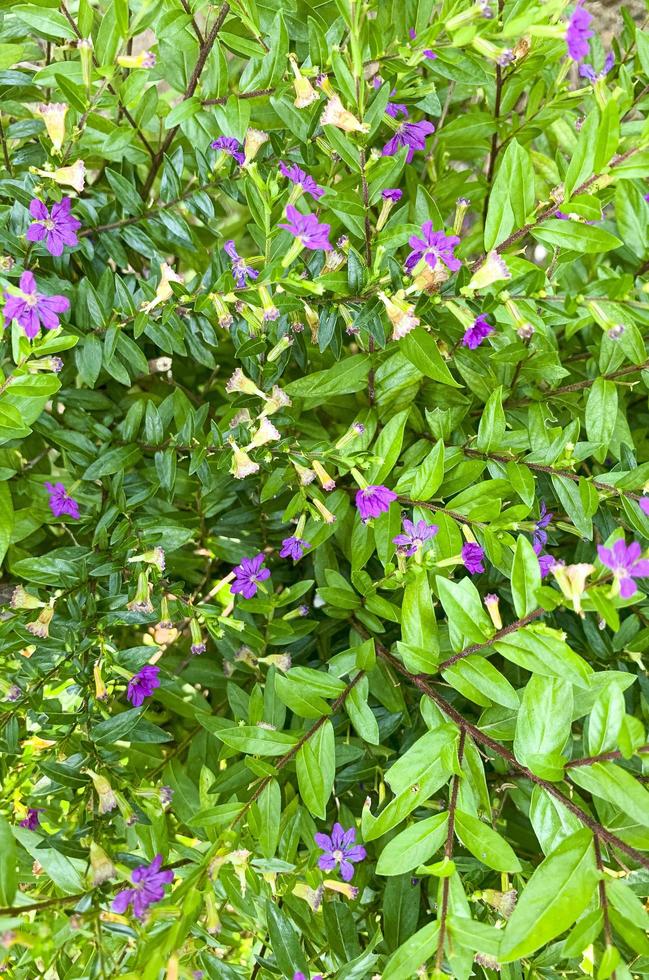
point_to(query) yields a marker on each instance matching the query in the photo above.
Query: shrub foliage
(323, 415)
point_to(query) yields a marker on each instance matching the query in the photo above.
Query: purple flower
(393, 109)
(540, 537)
(31, 821)
(392, 194)
(646, 197)
(298, 975)
(339, 849)
(562, 216)
(644, 501)
(578, 34)
(430, 54)
(587, 71)
(472, 556)
(480, 330)
(229, 145)
(143, 684)
(412, 135)
(196, 649)
(373, 501)
(412, 33)
(58, 227)
(545, 563)
(298, 176)
(414, 536)
(311, 233)
(239, 268)
(433, 247)
(61, 502)
(31, 308)
(293, 548)
(149, 885)
(625, 563)
(248, 574)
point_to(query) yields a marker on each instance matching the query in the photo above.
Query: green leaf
(344, 378)
(484, 843)
(6, 520)
(421, 350)
(297, 696)
(284, 941)
(606, 720)
(526, 577)
(543, 725)
(512, 195)
(8, 861)
(478, 680)
(257, 741)
(492, 423)
(560, 889)
(413, 846)
(315, 764)
(543, 651)
(615, 785)
(388, 447)
(583, 159)
(407, 959)
(601, 414)
(466, 614)
(576, 236)
(418, 622)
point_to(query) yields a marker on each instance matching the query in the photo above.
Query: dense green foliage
(471, 701)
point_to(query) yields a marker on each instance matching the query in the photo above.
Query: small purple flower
(646, 197)
(58, 227)
(32, 308)
(373, 501)
(339, 849)
(412, 135)
(545, 563)
(394, 109)
(562, 216)
(577, 34)
(240, 270)
(229, 145)
(311, 233)
(480, 330)
(293, 548)
(433, 247)
(540, 536)
(166, 795)
(31, 821)
(625, 563)
(587, 71)
(414, 536)
(472, 556)
(298, 975)
(392, 194)
(299, 177)
(430, 54)
(248, 575)
(196, 649)
(61, 502)
(412, 33)
(149, 885)
(644, 503)
(143, 684)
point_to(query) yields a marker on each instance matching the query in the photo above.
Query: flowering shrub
(323, 461)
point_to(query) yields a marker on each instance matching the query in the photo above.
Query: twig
(603, 898)
(581, 385)
(505, 631)
(437, 508)
(192, 85)
(197, 30)
(448, 854)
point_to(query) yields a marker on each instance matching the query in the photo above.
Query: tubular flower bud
(335, 114)
(72, 176)
(305, 94)
(41, 627)
(101, 867)
(265, 433)
(326, 514)
(357, 429)
(106, 797)
(270, 310)
(164, 290)
(223, 314)
(239, 382)
(242, 465)
(571, 579)
(155, 556)
(493, 269)
(276, 400)
(305, 474)
(326, 481)
(101, 692)
(255, 139)
(145, 59)
(141, 601)
(198, 643)
(20, 599)
(282, 344)
(492, 602)
(400, 314)
(53, 115)
(84, 47)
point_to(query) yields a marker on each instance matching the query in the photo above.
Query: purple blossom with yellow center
(578, 33)
(412, 135)
(32, 820)
(143, 684)
(625, 563)
(478, 332)
(228, 144)
(340, 850)
(433, 247)
(294, 548)
(60, 502)
(148, 887)
(588, 71)
(414, 536)
(241, 271)
(311, 233)
(57, 228)
(31, 308)
(373, 501)
(301, 179)
(248, 576)
(472, 557)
